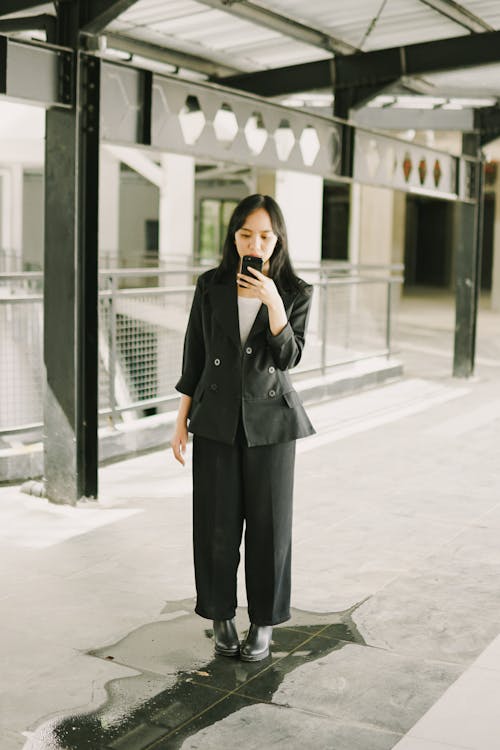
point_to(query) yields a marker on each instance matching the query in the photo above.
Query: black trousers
(233, 485)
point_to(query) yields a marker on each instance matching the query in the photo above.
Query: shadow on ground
(181, 688)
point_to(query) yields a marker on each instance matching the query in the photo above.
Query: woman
(244, 333)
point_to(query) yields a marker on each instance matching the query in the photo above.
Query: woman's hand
(264, 288)
(261, 287)
(179, 442)
(180, 437)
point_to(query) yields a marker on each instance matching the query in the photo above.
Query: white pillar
(376, 226)
(109, 207)
(380, 220)
(355, 223)
(4, 223)
(300, 197)
(177, 209)
(11, 211)
(176, 234)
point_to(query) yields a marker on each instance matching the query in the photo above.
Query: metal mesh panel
(141, 333)
(21, 353)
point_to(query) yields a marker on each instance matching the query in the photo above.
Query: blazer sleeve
(287, 346)
(193, 357)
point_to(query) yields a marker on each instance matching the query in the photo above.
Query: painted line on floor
(448, 354)
(385, 412)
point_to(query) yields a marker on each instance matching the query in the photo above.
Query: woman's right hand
(179, 442)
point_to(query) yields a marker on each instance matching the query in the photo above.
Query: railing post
(112, 348)
(388, 319)
(324, 321)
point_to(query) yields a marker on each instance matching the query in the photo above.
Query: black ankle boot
(257, 643)
(226, 638)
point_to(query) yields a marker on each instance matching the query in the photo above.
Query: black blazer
(225, 378)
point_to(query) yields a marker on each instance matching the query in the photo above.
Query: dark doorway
(488, 228)
(336, 204)
(428, 243)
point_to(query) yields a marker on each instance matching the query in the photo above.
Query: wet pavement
(182, 688)
(321, 687)
(394, 637)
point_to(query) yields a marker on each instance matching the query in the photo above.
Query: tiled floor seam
(319, 714)
(438, 743)
(172, 732)
(235, 691)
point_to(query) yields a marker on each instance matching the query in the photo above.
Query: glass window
(214, 219)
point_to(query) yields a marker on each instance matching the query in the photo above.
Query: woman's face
(256, 237)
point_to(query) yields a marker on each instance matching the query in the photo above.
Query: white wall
(382, 216)
(33, 219)
(300, 197)
(177, 208)
(109, 206)
(139, 200)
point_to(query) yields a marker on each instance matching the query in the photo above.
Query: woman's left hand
(262, 287)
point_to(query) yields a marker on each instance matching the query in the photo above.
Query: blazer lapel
(224, 301)
(223, 297)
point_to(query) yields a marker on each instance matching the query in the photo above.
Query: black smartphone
(250, 261)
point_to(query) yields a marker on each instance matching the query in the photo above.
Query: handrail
(336, 340)
(324, 266)
(159, 290)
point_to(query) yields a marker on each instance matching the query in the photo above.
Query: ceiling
(218, 38)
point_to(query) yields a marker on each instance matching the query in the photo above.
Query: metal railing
(143, 315)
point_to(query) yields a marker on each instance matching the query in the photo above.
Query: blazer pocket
(288, 398)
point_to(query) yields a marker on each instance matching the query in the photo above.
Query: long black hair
(280, 265)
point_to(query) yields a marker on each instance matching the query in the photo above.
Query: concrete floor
(394, 640)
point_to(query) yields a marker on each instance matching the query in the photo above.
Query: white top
(248, 307)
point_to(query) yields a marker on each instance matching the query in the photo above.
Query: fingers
(247, 279)
(256, 273)
(179, 448)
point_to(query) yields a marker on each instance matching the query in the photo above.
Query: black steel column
(71, 289)
(468, 244)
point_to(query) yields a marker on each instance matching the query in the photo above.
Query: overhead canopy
(218, 38)
(361, 44)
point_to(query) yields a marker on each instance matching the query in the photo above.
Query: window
(214, 220)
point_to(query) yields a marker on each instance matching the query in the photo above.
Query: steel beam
(126, 105)
(281, 81)
(384, 66)
(35, 74)
(44, 21)
(391, 118)
(468, 243)
(286, 25)
(19, 6)
(100, 13)
(171, 56)
(458, 13)
(366, 72)
(70, 295)
(487, 122)
(3, 64)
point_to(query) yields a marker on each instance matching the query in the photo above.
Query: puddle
(181, 687)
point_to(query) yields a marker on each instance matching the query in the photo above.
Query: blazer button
(249, 350)
(213, 387)
(217, 362)
(271, 369)
(272, 394)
